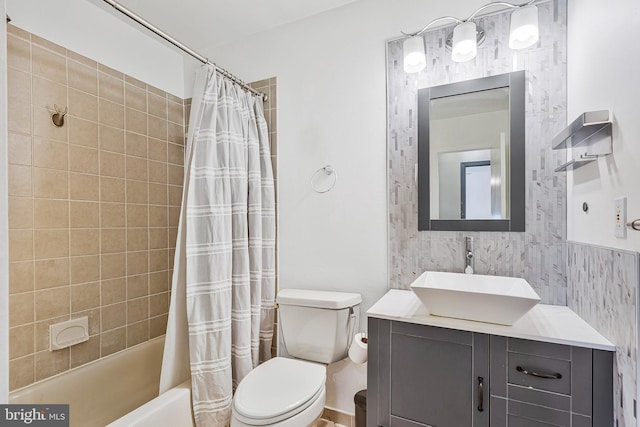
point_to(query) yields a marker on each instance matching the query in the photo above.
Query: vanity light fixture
(467, 35)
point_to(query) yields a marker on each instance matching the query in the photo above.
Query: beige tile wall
(268, 87)
(93, 206)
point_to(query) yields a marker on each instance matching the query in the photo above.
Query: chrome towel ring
(328, 171)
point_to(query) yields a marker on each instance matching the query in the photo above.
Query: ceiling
(203, 24)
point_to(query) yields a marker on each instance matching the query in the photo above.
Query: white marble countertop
(547, 323)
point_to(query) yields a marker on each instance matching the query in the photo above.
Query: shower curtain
(223, 286)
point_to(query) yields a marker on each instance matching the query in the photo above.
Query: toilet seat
(277, 390)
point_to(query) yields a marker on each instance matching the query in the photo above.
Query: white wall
(94, 32)
(603, 70)
(4, 224)
(331, 109)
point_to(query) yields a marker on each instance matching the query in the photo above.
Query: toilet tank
(317, 325)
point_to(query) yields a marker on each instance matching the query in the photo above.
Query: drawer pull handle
(555, 376)
(480, 394)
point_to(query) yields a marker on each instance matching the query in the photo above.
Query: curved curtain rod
(226, 74)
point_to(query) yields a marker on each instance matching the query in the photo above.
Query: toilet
(316, 329)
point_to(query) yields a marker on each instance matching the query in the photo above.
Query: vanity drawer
(542, 373)
(540, 365)
(520, 414)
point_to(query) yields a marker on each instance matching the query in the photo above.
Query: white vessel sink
(492, 299)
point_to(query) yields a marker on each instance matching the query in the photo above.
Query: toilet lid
(279, 387)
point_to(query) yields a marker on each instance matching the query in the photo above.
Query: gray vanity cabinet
(429, 376)
(424, 376)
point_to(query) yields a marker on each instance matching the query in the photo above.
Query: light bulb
(465, 46)
(524, 27)
(414, 56)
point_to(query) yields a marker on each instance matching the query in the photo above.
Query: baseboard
(339, 417)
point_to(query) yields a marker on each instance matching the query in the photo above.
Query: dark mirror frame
(516, 83)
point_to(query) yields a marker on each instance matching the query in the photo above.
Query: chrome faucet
(468, 268)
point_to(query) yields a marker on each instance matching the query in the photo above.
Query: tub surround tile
(20, 212)
(52, 303)
(82, 132)
(51, 273)
(21, 277)
(85, 241)
(112, 189)
(51, 243)
(50, 154)
(85, 297)
(82, 77)
(83, 159)
(85, 352)
(137, 239)
(84, 214)
(49, 363)
(37, 40)
(45, 93)
(136, 121)
(135, 97)
(19, 150)
(137, 333)
(111, 139)
(158, 194)
(84, 269)
(111, 88)
(158, 105)
(18, 53)
(50, 184)
(113, 316)
(113, 291)
(111, 114)
(137, 286)
(113, 266)
(20, 181)
(20, 245)
(159, 281)
(137, 145)
(157, 326)
(21, 309)
(108, 70)
(21, 372)
(83, 105)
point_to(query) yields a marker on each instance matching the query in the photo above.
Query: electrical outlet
(621, 217)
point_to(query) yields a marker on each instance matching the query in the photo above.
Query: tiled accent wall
(537, 254)
(602, 288)
(93, 205)
(268, 87)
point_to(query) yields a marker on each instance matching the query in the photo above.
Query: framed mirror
(471, 155)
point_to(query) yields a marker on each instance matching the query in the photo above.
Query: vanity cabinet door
(426, 376)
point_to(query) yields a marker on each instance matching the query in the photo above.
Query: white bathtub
(171, 409)
(104, 390)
